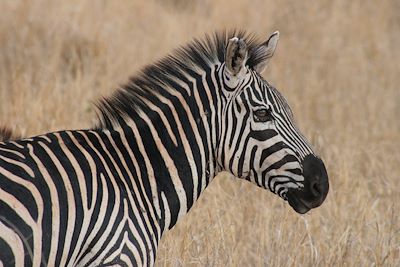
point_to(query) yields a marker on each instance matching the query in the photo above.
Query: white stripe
(167, 211)
(15, 243)
(23, 166)
(22, 156)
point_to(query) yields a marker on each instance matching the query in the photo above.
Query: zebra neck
(176, 162)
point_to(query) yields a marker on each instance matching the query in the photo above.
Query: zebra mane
(154, 79)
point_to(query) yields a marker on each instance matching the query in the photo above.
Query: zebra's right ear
(236, 56)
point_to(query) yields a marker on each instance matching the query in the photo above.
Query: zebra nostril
(316, 189)
(317, 185)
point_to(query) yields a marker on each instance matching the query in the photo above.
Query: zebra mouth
(296, 203)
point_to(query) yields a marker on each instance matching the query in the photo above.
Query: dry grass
(338, 63)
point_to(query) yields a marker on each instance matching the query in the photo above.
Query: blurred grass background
(337, 62)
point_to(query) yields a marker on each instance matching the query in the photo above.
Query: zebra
(105, 195)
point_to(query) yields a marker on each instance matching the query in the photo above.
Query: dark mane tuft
(155, 78)
(6, 134)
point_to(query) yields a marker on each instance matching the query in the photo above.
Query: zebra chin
(316, 186)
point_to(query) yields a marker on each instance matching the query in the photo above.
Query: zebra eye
(262, 115)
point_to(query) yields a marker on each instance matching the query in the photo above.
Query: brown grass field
(337, 63)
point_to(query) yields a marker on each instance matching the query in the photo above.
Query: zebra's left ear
(265, 51)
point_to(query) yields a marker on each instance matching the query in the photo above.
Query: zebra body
(77, 184)
(105, 196)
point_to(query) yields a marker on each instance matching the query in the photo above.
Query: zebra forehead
(265, 90)
(183, 62)
(276, 98)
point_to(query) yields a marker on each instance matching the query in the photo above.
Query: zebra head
(259, 139)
